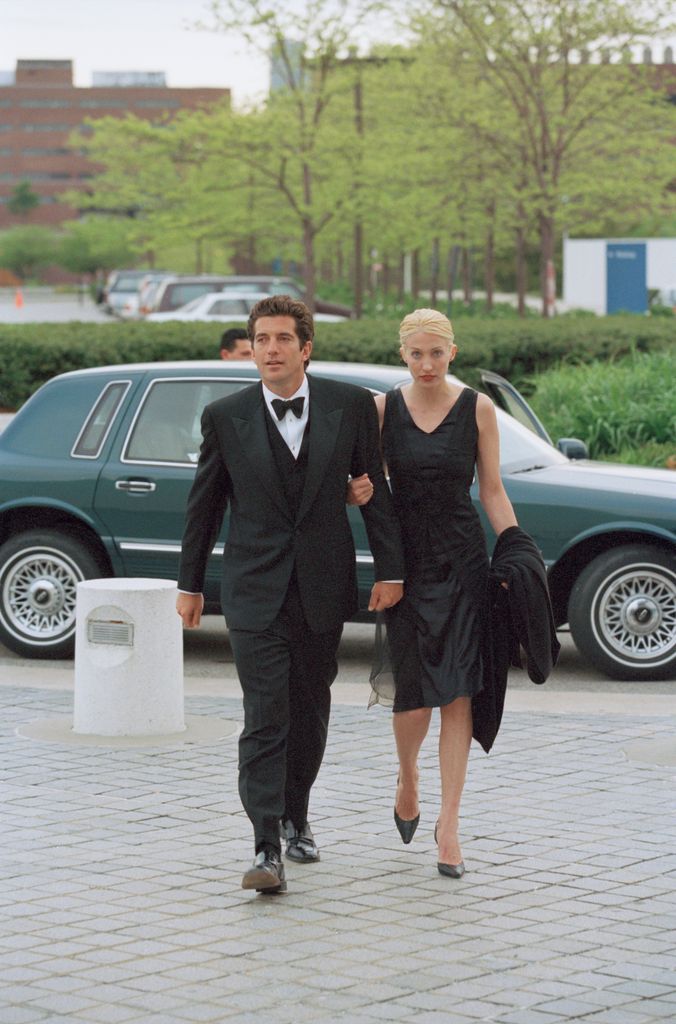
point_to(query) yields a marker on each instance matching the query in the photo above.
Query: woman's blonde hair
(426, 321)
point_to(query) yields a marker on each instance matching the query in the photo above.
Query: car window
(167, 425)
(521, 449)
(226, 307)
(50, 422)
(179, 294)
(100, 420)
(126, 284)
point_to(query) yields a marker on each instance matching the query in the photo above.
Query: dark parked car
(176, 291)
(97, 465)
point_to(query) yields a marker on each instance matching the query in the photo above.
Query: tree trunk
(309, 270)
(466, 275)
(521, 271)
(434, 285)
(386, 277)
(358, 269)
(453, 256)
(415, 275)
(489, 269)
(198, 256)
(400, 277)
(547, 264)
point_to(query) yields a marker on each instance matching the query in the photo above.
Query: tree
(294, 148)
(94, 243)
(23, 199)
(24, 250)
(570, 111)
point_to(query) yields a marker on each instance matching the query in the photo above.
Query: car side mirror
(573, 448)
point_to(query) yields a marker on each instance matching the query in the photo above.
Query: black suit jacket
(265, 541)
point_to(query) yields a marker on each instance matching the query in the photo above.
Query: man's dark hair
(283, 305)
(230, 338)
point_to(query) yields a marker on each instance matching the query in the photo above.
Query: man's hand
(385, 595)
(190, 607)
(359, 490)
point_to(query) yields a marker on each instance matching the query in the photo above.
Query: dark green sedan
(96, 467)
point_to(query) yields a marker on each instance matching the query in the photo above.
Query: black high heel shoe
(450, 870)
(406, 827)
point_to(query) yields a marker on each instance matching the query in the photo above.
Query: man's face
(279, 355)
(242, 350)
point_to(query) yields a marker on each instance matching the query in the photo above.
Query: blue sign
(626, 286)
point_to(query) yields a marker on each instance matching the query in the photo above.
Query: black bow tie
(294, 404)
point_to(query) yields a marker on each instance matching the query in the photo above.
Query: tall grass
(619, 408)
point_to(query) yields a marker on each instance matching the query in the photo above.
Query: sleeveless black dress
(436, 631)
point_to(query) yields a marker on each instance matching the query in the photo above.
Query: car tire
(39, 573)
(622, 613)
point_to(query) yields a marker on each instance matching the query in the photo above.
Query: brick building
(39, 110)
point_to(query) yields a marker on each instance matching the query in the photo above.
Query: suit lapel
(253, 436)
(324, 428)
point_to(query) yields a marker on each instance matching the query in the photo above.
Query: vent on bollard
(101, 632)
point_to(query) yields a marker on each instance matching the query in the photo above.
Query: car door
(143, 488)
(506, 397)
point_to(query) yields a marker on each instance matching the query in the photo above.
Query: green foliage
(659, 456)
(616, 407)
(95, 243)
(23, 199)
(32, 353)
(24, 250)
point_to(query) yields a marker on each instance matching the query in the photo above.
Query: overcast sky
(139, 35)
(130, 35)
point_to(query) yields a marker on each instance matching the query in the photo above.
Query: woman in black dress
(435, 435)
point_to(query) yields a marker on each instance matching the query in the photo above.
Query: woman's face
(427, 357)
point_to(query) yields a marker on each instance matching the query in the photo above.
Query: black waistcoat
(291, 471)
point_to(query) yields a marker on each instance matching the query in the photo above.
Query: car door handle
(135, 486)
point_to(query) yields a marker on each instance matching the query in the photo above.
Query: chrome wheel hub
(636, 614)
(39, 591)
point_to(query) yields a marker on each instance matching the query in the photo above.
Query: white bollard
(128, 658)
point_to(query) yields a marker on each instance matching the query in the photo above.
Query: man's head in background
(235, 344)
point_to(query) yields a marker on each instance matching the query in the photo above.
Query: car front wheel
(622, 613)
(39, 573)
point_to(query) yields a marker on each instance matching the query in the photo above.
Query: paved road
(120, 873)
(41, 305)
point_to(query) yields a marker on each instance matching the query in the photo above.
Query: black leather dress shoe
(300, 843)
(266, 874)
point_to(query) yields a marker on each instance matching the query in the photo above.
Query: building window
(101, 103)
(45, 103)
(46, 127)
(159, 103)
(46, 151)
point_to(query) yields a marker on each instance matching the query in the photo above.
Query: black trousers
(286, 673)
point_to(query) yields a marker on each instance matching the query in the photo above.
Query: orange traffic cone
(18, 299)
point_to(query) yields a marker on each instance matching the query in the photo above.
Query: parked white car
(226, 307)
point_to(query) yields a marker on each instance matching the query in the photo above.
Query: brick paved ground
(120, 874)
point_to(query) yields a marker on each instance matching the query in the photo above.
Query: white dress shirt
(291, 427)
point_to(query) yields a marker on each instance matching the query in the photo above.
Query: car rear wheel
(39, 573)
(622, 613)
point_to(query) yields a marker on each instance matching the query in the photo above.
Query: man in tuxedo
(279, 453)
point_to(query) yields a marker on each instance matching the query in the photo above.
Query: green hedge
(617, 408)
(32, 353)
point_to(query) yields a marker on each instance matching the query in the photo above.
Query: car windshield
(521, 449)
(126, 284)
(180, 294)
(193, 304)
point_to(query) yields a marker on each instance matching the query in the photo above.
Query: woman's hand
(359, 490)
